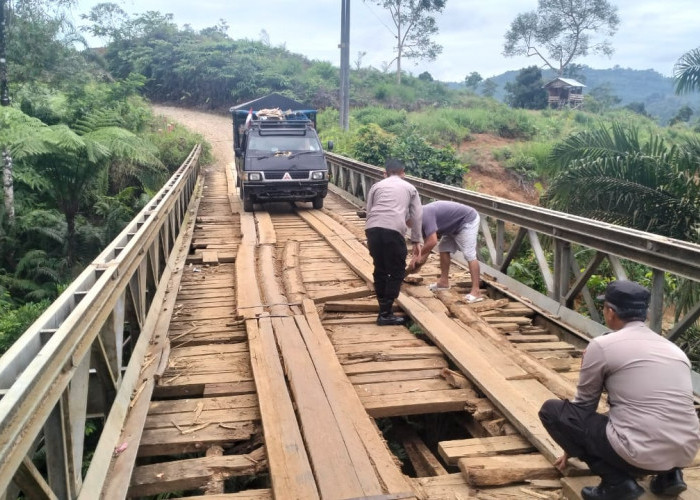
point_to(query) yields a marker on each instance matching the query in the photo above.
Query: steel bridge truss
(69, 365)
(562, 235)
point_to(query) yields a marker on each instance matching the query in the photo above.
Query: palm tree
(610, 174)
(72, 163)
(686, 72)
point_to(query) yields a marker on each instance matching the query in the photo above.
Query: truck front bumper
(285, 191)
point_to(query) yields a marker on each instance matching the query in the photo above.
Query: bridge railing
(559, 233)
(68, 365)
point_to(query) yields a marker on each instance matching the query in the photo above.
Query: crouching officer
(652, 427)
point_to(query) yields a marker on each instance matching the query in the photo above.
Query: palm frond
(31, 178)
(97, 119)
(40, 224)
(633, 190)
(124, 144)
(66, 139)
(14, 125)
(37, 266)
(52, 140)
(686, 72)
(599, 142)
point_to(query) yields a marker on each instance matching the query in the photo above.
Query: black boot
(626, 490)
(669, 483)
(386, 316)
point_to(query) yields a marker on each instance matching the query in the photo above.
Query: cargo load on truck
(279, 156)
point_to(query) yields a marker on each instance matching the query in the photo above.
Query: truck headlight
(254, 176)
(318, 175)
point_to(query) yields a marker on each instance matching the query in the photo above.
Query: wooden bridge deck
(280, 385)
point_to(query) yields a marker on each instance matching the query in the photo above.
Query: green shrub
(502, 154)
(523, 165)
(517, 125)
(174, 143)
(538, 154)
(478, 120)
(327, 118)
(442, 126)
(14, 321)
(372, 144)
(392, 120)
(427, 162)
(583, 118)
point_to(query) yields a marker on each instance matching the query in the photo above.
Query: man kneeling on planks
(391, 202)
(652, 427)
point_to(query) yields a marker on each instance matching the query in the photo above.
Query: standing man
(652, 427)
(458, 227)
(391, 203)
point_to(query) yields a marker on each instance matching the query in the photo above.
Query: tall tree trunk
(8, 187)
(70, 237)
(398, 67)
(399, 47)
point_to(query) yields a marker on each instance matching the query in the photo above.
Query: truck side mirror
(238, 152)
(330, 146)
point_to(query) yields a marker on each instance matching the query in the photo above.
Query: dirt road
(214, 128)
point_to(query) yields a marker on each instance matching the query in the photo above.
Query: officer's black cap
(626, 295)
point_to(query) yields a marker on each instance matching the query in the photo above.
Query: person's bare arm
(430, 242)
(419, 259)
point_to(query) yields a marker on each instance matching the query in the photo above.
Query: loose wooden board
(452, 451)
(172, 441)
(500, 470)
(416, 403)
(187, 474)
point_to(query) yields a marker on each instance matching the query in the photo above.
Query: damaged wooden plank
(499, 470)
(452, 451)
(192, 473)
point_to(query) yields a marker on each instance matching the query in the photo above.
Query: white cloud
(652, 34)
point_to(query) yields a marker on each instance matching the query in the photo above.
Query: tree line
(82, 154)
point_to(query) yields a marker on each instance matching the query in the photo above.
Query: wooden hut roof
(563, 82)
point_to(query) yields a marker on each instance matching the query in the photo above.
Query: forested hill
(649, 87)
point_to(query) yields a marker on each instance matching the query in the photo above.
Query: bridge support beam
(656, 307)
(64, 433)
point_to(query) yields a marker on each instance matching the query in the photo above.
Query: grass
(535, 132)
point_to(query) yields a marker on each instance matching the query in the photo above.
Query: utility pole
(345, 65)
(7, 181)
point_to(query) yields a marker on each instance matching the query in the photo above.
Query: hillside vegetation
(69, 103)
(624, 86)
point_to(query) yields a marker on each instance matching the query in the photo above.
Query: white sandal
(471, 299)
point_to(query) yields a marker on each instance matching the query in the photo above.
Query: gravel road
(215, 128)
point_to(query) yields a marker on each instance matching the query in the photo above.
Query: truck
(278, 154)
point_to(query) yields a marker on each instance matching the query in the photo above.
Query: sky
(652, 34)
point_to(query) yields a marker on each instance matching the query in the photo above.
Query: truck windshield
(274, 143)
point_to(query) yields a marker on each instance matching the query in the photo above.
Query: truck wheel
(247, 202)
(317, 202)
